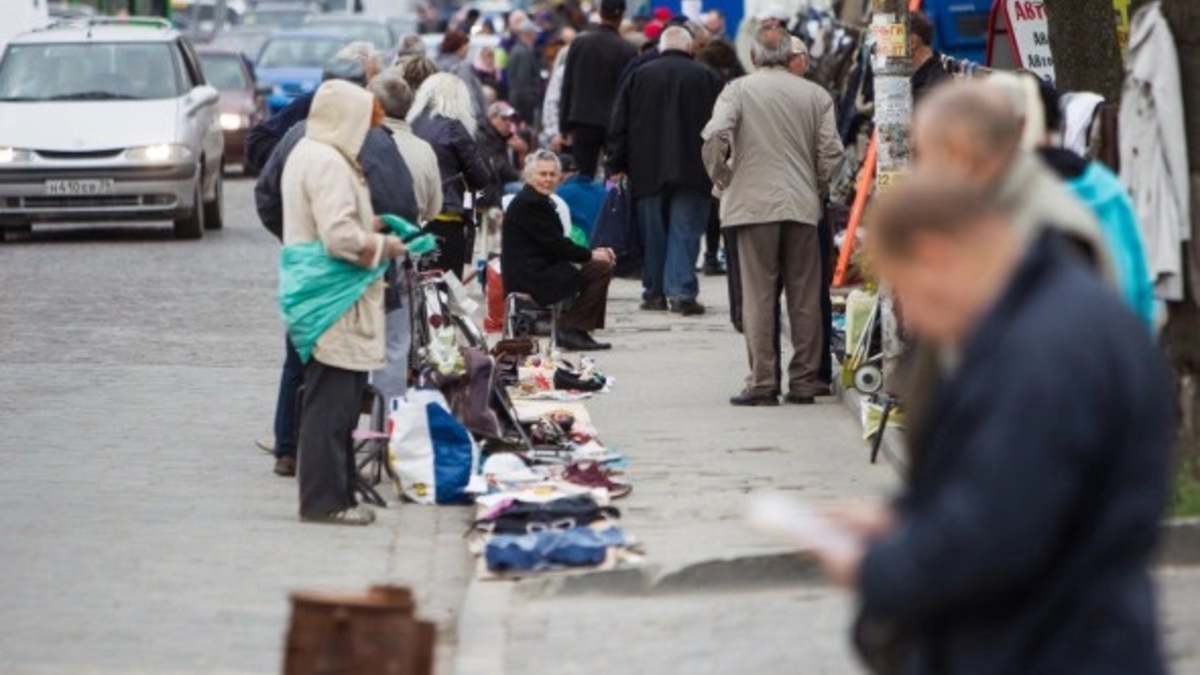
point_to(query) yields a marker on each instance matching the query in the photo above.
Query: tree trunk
(1182, 335)
(893, 115)
(1083, 40)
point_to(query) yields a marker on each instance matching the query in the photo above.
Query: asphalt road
(140, 531)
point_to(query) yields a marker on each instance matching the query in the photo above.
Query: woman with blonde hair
(442, 116)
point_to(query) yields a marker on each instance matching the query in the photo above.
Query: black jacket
(929, 75)
(655, 132)
(264, 136)
(524, 74)
(590, 77)
(494, 149)
(1037, 485)
(388, 178)
(459, 161)
(536, 257)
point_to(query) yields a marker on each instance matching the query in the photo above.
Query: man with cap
(524, 72)
(502, 149)
(590, 79)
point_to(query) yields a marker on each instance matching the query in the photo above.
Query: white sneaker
(267, 445)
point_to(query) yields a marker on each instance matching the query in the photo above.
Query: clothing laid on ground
(539, 260)
(1036, 486)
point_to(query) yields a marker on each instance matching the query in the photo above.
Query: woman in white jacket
(325, 198)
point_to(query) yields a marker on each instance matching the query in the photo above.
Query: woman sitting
(538, 259)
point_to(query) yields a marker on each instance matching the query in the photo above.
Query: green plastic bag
(315, 290)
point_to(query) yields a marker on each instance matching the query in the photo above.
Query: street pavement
(140, 529)
(141, 532)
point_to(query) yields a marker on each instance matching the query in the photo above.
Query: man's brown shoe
(285, 465)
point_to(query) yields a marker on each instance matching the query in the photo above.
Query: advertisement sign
(1030, 35)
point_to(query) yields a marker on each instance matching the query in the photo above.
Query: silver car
(102, 120)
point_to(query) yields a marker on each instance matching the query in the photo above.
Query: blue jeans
(672, 226)
(290, 381)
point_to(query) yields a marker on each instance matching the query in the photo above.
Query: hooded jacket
(325, 198)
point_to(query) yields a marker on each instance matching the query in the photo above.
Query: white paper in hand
(795, 523)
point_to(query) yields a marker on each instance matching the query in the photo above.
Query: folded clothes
(551, 549)
(522, 517)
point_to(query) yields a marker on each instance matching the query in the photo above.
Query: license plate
(80, 187)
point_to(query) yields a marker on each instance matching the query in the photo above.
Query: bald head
(675, 38)
(967, 128)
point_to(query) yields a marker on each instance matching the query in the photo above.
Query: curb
(1179, 538)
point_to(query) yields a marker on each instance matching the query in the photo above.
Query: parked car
(104, 121)
(291, 62)
(243, 100)
(356, 28)
(245, 40)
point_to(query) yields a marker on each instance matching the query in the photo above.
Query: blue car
(291, 63)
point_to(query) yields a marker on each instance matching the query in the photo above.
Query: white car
(108, 120)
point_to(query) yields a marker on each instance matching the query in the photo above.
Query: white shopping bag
(432, 453)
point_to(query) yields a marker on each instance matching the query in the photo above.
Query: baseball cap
(501, 109)
(798, 47)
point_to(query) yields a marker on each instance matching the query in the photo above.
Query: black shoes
(574, 340)
(285, 465)
(686, 307)
(712, 268)
(655, 304)
(797, 399)
(749, 399)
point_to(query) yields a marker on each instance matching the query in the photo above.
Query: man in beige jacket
(325, 198)
(770, 149)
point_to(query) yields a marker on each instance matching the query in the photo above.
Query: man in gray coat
(770, 149)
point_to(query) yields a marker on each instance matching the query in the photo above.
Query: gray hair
(675, 37)
(540, 156)
(445, 95)
(363, 52)
(772, 47)
(393, 92)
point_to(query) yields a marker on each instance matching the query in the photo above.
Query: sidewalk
(693, 460)
(713, 596)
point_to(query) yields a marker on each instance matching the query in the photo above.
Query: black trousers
(453, 239)
(586, 143)
(329, 412)
(712, 236)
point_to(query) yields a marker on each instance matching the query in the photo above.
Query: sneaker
(285, 465)
(355, 515)
(686, 307)
(656, 304)
(267, 445)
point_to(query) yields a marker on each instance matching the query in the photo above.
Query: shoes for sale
(593, 475)
(747, 399)
(686, 307)
(267, 445)
(285, 465)
(355, 515)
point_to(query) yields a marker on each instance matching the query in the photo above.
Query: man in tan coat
(325, 198)
(770, 148)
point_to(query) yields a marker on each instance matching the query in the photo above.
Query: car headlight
(233, 122)
(14, 155)
(159, 153)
